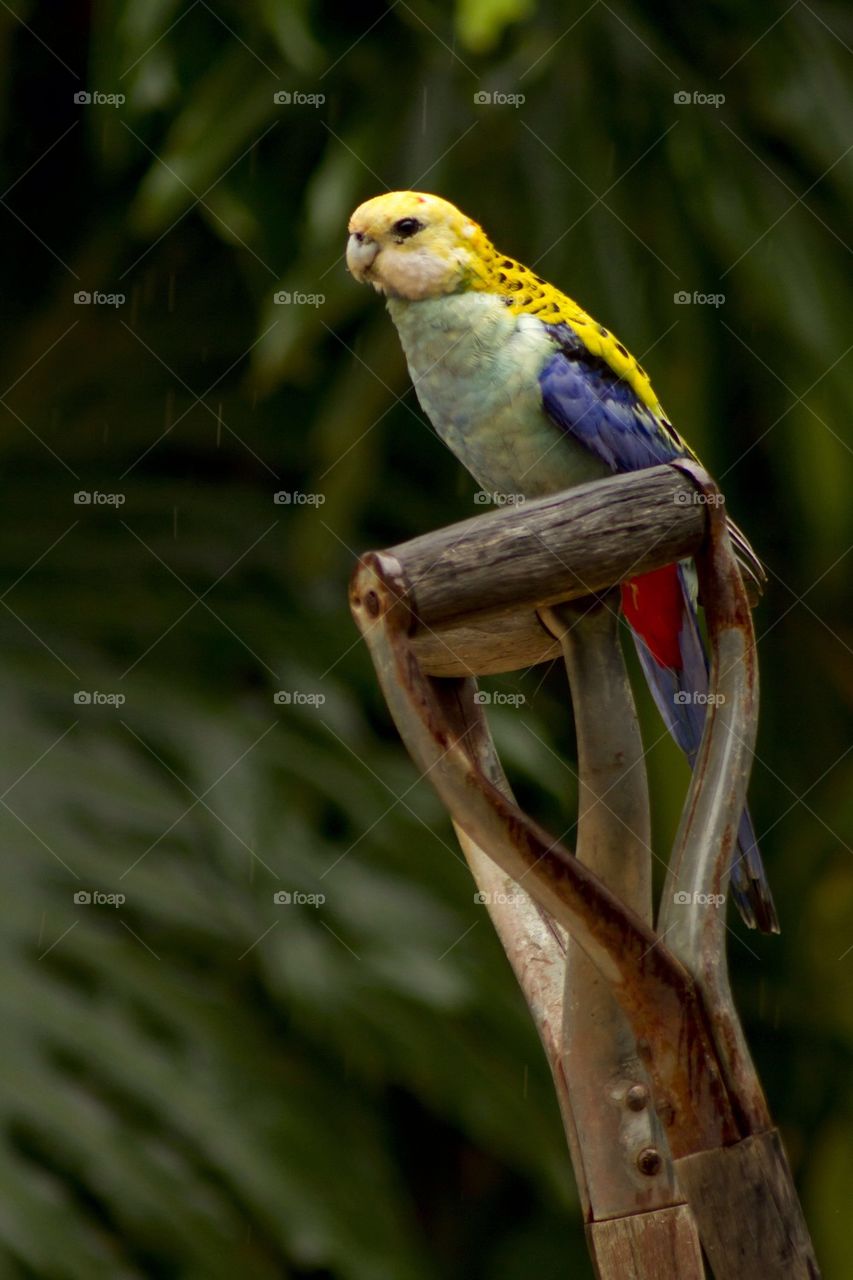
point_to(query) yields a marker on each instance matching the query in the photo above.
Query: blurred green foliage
(203, 1083)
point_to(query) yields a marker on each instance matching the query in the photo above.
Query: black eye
(406, 227)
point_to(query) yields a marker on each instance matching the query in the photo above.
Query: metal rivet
(649, 1162)
(637, 1097)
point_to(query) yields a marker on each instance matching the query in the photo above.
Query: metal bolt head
(649, 1162)
(637, 1097)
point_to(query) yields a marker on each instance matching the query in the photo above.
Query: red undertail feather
(653, 605)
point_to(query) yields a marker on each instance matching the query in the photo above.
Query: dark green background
(203, 1084)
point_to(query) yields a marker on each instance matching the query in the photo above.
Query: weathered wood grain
(476, 585)
(485, 646)
(758, 1232)
(649, 1246)
(561, 547)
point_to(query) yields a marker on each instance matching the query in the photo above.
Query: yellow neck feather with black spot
(528, 293)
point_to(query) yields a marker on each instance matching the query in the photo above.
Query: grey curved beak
(361, 254)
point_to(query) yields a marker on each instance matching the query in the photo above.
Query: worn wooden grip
(476, 585)
(647, 1246)
(749, 1217)
(556, 548)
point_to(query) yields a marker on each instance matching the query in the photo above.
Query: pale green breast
(475, 366)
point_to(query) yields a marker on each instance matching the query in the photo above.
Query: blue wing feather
(584, 396)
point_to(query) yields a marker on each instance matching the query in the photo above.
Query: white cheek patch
(416, 274)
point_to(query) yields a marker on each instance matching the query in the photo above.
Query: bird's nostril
(359, 235)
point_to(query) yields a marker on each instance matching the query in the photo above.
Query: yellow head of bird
(409, 244)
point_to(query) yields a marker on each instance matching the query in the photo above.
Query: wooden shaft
(557, 548)
(474, 587)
